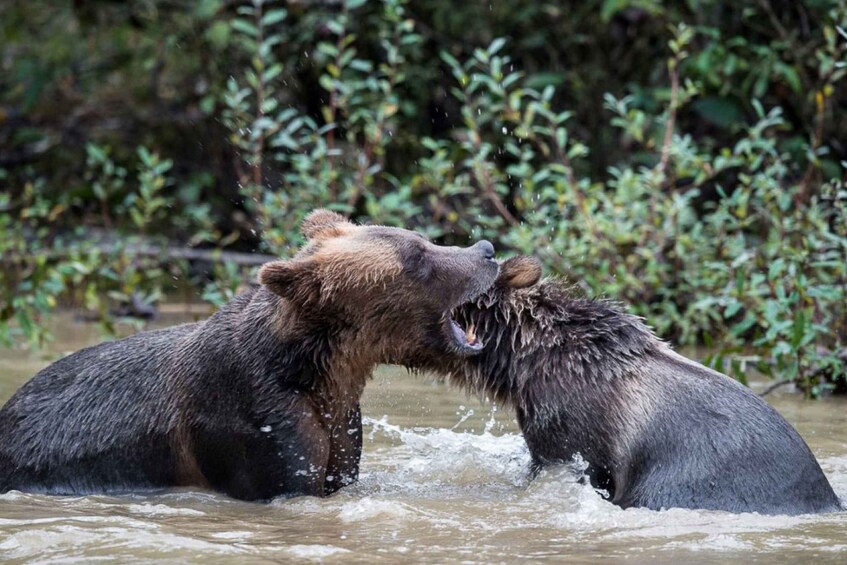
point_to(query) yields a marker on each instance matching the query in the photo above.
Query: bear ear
(294, 279)
(519, 272)
(323, 221)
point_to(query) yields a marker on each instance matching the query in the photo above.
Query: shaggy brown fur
(260, 400)
(656, 430)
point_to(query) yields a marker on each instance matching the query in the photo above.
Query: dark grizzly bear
(261, 399)
(655, 429)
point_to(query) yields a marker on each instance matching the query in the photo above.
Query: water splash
(426, 455)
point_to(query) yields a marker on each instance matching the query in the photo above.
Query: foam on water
(315, 552)
(162, 510)
(368, 508)
(113, 536)
(423, 455)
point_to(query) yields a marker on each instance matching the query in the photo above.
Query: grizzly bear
(655, 429)
(261, 399)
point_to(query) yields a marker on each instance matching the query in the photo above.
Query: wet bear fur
(655, 429)
(261, 399)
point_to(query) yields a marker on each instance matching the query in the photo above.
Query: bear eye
(418, 252)
(417, 260)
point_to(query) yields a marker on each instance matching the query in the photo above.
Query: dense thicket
(687, 157)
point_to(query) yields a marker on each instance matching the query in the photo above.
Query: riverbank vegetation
(686, 158)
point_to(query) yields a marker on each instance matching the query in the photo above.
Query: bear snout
(485, 248)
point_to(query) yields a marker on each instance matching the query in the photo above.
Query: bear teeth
(470, 336)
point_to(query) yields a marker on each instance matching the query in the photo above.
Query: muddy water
(443, 480)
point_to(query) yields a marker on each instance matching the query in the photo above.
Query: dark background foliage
(686, 157)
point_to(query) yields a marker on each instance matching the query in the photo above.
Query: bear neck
(304, 348)
(542, 344)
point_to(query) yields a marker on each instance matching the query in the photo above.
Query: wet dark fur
(261, 399)
(179, 406)
(656, 430)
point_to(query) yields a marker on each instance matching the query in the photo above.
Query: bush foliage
(687, 158)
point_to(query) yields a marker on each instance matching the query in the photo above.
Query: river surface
(443, 479)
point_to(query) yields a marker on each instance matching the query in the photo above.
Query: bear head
(393, 287)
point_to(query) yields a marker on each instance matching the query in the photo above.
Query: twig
(498, 203)
(775, 386)
(669, 125)
(817, 141)
(488, 185)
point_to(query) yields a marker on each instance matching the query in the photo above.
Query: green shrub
(696, 173)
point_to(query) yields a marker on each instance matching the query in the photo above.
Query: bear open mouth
(465, 340)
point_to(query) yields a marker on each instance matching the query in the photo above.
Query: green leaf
(271, 73)
(496, 45)
(610, 8)
(218, 34)
(757, 106)
(272, 17)
(245, 27)
(791, 76)
(776, 269)
(798, 330)
(451, 61)
(741, 327)
(732, 309)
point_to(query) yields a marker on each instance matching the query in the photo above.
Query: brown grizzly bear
(261, 399)
(655, 429)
